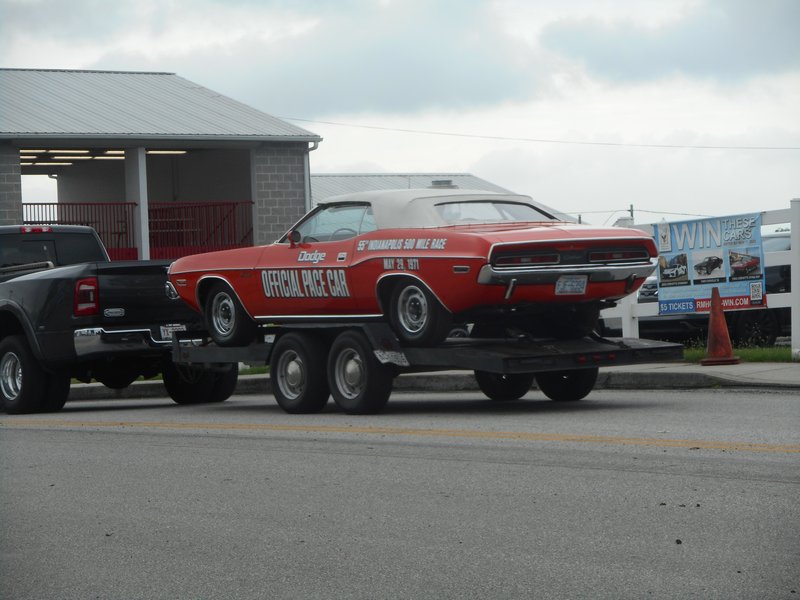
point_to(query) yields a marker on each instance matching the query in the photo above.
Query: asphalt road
(624, 495)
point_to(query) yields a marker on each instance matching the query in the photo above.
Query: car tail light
(87, 297)
(526, 260)
(620, 255)
(37, 229)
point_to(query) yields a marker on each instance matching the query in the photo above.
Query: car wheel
(417, 316)
(226, 320)
(297, 373)
(502, 387)
(193, 385)
(757, 328)
(567, 386)
(359, 383)
(23, 382)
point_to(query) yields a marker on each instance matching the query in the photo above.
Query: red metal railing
(182, 228)
(176, 228)
(113, 222)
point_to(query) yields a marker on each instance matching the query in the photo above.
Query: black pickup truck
(68, 312)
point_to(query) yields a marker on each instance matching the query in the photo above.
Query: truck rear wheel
(501, 387)
(359, 383)
(567, 386)
(23, 383)
(297, 372)
(194, 385)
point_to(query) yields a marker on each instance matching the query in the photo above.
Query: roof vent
(443, 184)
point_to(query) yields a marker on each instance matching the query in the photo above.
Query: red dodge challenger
(424, 260)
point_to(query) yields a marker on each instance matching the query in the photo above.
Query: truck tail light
(87, 297)
(28, 229)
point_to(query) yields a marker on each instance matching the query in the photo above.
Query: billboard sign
(696, 256)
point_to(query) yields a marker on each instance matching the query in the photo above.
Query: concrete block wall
(10, 186)
(279, 189)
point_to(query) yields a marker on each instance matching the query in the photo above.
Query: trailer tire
(417, 316)
(226, 320)
(502, 387)
(567, 386)
(23, 382)
(297, 372)
(757, 328)
(359, 383)
(193, 385)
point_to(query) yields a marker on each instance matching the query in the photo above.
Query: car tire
(359, 383)
(504, 387)
(297, 373)
(567, 386)
(225, 318)
(193, 385)
(23, 382)
(416, 315)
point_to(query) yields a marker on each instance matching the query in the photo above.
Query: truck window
(65, 249)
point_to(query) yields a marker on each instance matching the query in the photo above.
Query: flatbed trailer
(356, 363)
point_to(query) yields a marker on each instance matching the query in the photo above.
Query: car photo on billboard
(673, 271)
(708, 265)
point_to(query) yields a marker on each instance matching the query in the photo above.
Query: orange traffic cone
(719, 350)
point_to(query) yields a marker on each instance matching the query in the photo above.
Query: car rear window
(456, 213)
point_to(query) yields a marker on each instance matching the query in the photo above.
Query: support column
(136, 191)
(279, 189)
(794, 261)
(10, 186)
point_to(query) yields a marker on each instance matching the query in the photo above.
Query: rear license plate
(167, 330)
(571, 285)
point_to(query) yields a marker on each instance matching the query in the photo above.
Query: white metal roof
(56, 104)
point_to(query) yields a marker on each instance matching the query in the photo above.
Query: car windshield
(487, 211)
(336, 222)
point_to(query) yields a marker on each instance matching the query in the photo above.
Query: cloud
(726, 40)
(323, 57)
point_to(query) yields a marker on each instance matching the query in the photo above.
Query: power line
(540, 140)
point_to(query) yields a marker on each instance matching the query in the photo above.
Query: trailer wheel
(757, 328)
(297, 371)
(417, 316)
(226, 320)
(501, 387)
(359, 383)
(194, 385)
(567, 386)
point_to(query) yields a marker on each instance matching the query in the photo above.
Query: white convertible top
(416, 207)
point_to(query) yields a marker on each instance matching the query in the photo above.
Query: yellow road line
(404, 431)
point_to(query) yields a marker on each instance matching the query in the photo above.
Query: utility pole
(631, 212)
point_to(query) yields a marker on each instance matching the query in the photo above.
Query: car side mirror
(294, 238)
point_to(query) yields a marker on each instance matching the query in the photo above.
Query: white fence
(629, 310)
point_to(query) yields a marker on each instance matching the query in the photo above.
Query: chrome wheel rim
(10, 376)
(291, 375)
(412, 309)
(223, 314)
(349, 373)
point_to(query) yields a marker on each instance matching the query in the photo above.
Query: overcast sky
(568, 101)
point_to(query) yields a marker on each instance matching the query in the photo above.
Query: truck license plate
(571, 285)
(167, 330)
